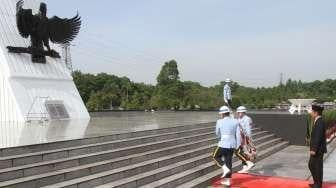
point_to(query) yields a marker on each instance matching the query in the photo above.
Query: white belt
(227, 136)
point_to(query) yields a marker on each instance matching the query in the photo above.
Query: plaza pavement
(292, 162)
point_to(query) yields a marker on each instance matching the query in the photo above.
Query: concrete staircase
(170, 157)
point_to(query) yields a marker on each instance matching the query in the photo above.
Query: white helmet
(224, 109)
(241, 109)
(228, 80)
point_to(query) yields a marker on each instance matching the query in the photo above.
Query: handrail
(42, 115)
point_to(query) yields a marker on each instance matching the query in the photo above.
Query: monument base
(33, 91)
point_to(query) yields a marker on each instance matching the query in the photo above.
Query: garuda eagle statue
(41, 29)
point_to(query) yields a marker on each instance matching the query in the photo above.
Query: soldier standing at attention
(227, 93)
(227, 131)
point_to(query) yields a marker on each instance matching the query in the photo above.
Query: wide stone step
(17, 160)
(206, 170)
(147, 177)
(69, 173)
(44, 167)
(107, 155)
(21, 150)
(97, 179)
(158, 174)
(48, 166)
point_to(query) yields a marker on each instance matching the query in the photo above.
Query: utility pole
(281, 79)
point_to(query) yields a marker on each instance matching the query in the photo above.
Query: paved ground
(292, 162)
(17, 134)
(330, 165)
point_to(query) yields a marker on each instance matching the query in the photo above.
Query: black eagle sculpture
(41, 29)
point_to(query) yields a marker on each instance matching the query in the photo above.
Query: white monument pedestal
(32, 91)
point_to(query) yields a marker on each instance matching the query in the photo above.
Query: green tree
(101, 91)
(169, 73)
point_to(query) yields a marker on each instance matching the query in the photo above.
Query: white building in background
(300, 105)
(30, 91)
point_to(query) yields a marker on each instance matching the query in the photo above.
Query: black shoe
(315, 186)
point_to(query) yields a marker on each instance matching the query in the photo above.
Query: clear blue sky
(250, 41)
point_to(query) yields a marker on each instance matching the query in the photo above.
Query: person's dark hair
(318, 109)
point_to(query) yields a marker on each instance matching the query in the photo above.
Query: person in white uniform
(227, 93)
(245, 125)
(228, 133)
